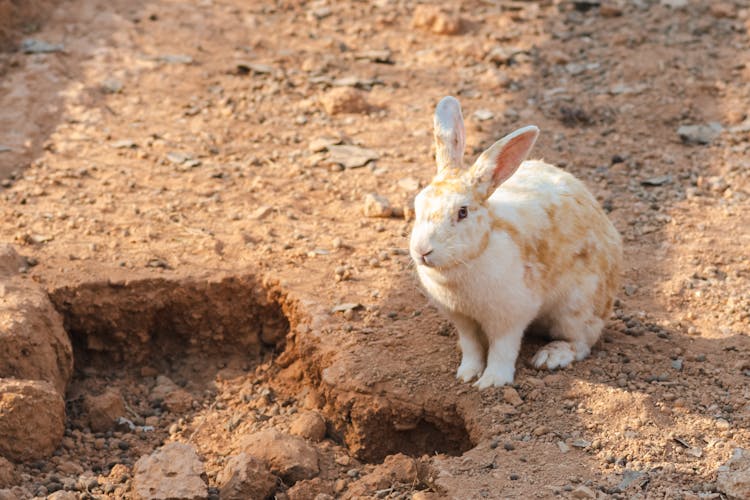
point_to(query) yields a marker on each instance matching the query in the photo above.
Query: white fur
(491, 293)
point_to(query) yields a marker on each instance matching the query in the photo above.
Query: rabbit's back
(563, 234)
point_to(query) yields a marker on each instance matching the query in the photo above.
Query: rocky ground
(210, 294)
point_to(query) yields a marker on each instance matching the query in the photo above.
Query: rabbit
(507, 243)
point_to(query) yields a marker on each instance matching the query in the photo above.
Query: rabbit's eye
(462, 213)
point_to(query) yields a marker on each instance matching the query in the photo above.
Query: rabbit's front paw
(469, 369)
(558, 354)
(495, 378)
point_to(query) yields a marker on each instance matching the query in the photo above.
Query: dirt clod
(33, 344)
(395, 469)
(511, 396)
(316, 489)
(104, 409)
(245, 477)
(171, 396)
(377, 206)
(290, 457)
(10, 261)
(32, 419)
(7, 473)
(436, 19)
(344, 100)
(309, 425)
(172, 471)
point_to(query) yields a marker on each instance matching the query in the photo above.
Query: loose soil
(160, 182)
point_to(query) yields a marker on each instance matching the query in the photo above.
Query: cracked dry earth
(174, 181)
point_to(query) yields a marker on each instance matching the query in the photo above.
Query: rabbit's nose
(424, 255)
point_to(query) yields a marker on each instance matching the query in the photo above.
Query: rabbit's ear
(450, 136)
(501, 160)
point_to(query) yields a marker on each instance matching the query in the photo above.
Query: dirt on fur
(187, 182)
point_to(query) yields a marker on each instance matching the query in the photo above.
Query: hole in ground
(376, 436)
(154, 350)
(189, 328)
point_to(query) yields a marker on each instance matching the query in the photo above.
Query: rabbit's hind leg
(574, 326)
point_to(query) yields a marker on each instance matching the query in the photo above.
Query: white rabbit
(508, 242)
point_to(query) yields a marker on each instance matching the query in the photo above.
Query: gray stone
(699, 134)
(482, 115)
(734, 476)
(62, 495)
(409, 184)
(628, 478)
(176, 59)
(258, 69)
(377, 56)
(377, 206)
(34, 46)
(659, 180)
(323, 143)
(351, 156)
(583, 492)
(124, 144)
(346, 306)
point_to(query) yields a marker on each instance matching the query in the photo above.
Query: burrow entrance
(379, 428)
(193, 331)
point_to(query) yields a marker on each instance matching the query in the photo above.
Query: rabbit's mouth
(425, 260)
(422, 254)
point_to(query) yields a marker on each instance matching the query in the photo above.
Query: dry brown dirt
(162, 184)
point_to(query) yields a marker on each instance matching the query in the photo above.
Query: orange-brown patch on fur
(499, 224)
(434, 217)
(482, 246)
(550, 259)
(564, 245)
(441, 186)
(485, 242)
(584, 254)
(610, 272)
